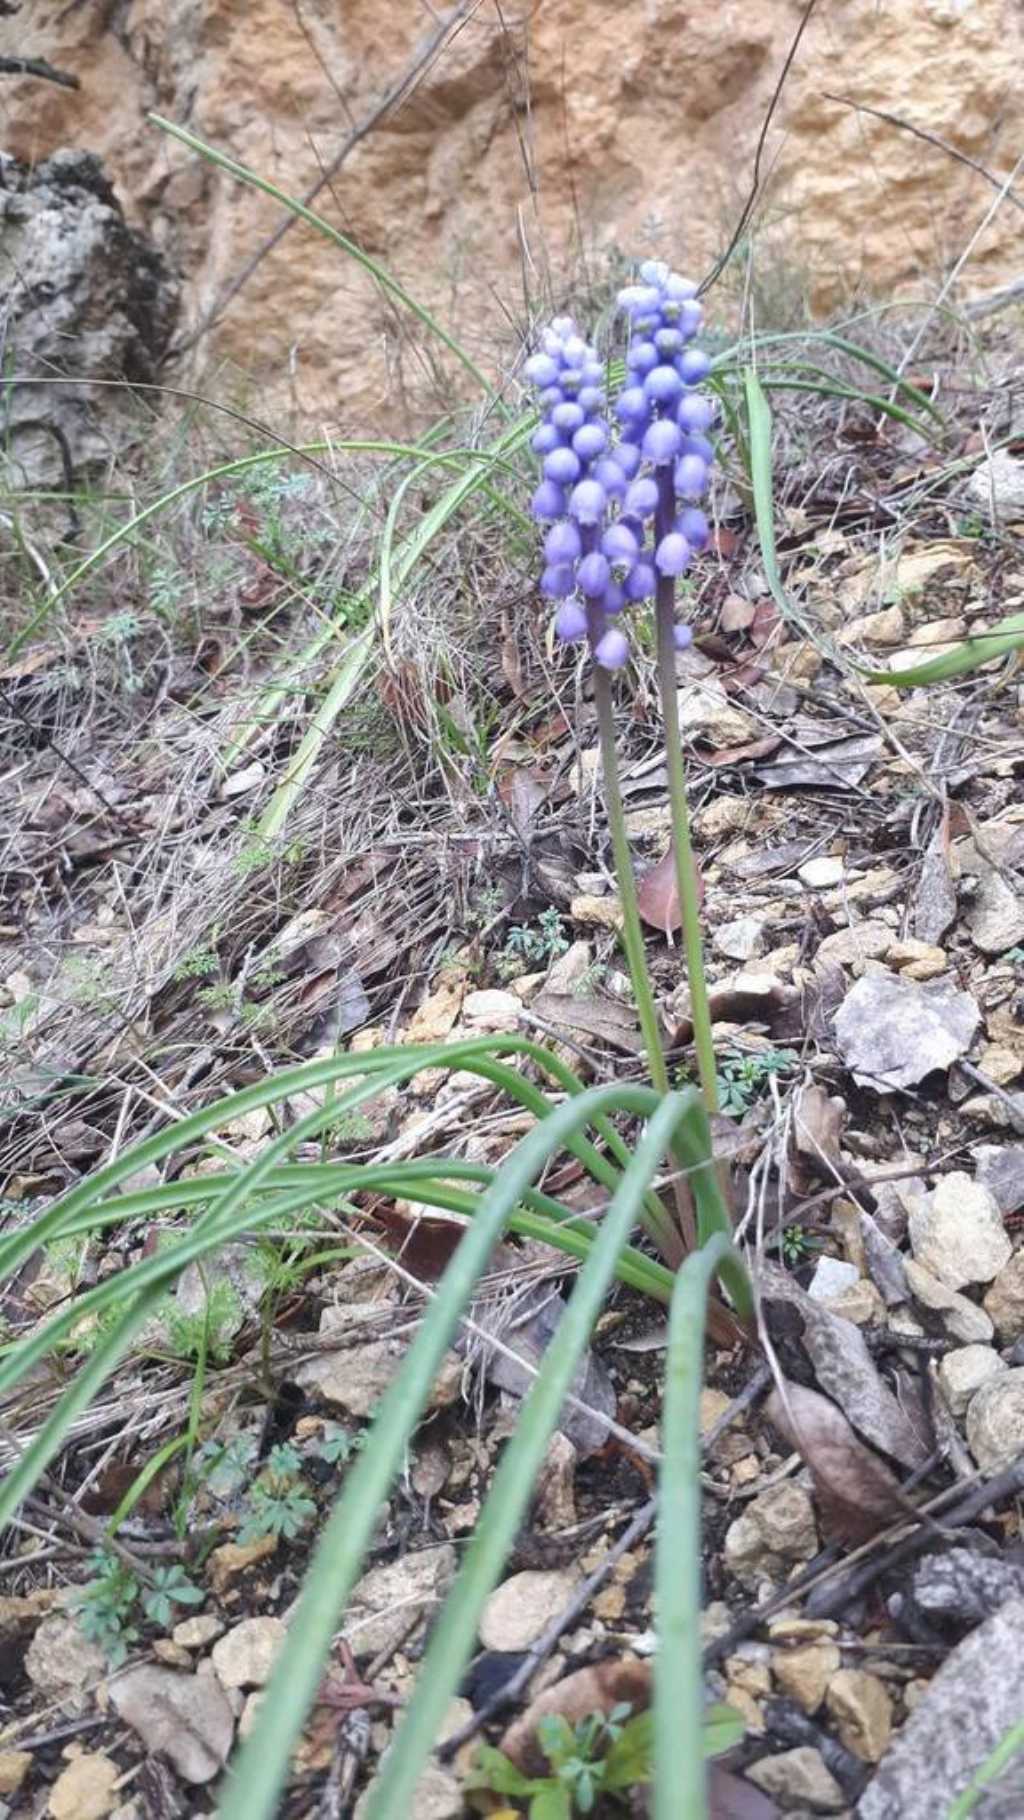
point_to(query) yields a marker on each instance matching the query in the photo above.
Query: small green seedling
(604, 1756)
(278, 1504)
(108, 1604)
(743, 1078)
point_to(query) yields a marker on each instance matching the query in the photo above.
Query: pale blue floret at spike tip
(597, 495)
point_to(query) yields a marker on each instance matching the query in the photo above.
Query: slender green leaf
(680, 1785)
(759, 425)
(251, 1794)
(514, 1480)
(1005, 636)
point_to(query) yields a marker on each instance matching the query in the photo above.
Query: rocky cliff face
(87, 299)
(540, 136)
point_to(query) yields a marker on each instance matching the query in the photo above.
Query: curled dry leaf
(842, 1364)
(856, 1492)
(657, 894)
(590, 1690)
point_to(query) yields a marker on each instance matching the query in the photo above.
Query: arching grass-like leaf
(972, 654)
(679, 1773)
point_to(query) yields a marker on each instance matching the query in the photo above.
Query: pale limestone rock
(491, 1010)
(917, 960)
(881, 629)
(741, 940)
(818, 874)
(995, 1420)
(388, 1598)
(965, 1370)
(803, 1674)
(1004, 1302)
(194, 1633)
(851, 947)
(85, 1790)
(14, 1767)
(523, 1605)
(775, 1530)
(62, 1663)
(186, 1717)
(860, 1704)
(958, 1233)
(245, 1656)
(596, 912)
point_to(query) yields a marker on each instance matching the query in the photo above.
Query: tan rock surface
(633, 113)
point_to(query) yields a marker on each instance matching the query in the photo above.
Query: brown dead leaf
(734, 1798)
(766, 623)
(522, 789)
(840, 764)
(604, 1018)
(657, 894)
(818, 1123)
(856, 1492)
(575, 1697)
(737, 755)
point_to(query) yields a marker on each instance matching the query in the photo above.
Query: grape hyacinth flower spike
(664, 421)
(587, 561)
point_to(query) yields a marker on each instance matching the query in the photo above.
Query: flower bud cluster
(600, 496)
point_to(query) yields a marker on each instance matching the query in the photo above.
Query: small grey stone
(1001, 1168)
(799, 1777)
(995, 1420)
(893, 1032)
(970, 1705)
(61, 1662)
(741, 940)
(387, 1599)
(998, 482)
(831, 1277)
(961, 1317)
(775, 1530)
(960, 1588)
(187, 1717)
(193, 1633)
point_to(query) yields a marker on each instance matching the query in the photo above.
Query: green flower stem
(686, 870)
(633, 936)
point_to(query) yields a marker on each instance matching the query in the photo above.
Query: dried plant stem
(686, 870)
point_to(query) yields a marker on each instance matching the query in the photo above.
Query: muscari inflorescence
(622, 512)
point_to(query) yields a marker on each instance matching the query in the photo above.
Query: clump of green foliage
(113, 1602)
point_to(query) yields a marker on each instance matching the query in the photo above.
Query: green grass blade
(378, 272)
(1005, 636)
(513, 1483)
(735, 357)
(759, 426)
(252, 1792)
(680, 1782)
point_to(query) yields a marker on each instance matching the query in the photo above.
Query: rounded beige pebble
(522, 1606)
(245, 1656)
(862, 1707)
